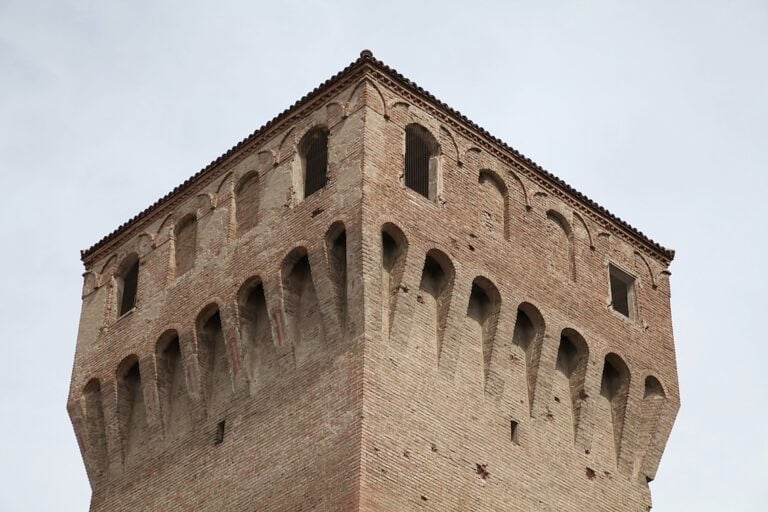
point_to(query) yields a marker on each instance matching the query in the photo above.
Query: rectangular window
(622, 291)
(513, 432)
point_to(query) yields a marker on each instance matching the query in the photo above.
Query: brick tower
(372, 304)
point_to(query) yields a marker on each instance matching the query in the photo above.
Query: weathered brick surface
(355, 380)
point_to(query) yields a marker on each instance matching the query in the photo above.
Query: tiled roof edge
(664, 253)
(85, 255)
(366, 57)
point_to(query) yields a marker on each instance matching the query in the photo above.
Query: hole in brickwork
(482, 471)
(591, 473)
(220, 430)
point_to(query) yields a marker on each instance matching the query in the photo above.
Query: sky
(658, 110)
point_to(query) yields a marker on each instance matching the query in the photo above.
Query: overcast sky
(657, 110)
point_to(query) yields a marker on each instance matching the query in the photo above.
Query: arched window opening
(651, 412)
(615, 388)
(421, 162)
(435, 292)
(130, 404)
(653, 388)
(567, 357)
(528, 335)
(314, 157)
(336, 247)
(571, 362)
(389, 250)
(95, 435)
(304, 320)
(525, 332)
(128, 282)
(483, 300)
(171, 383)
(562, 259)
(484, 306)
(394, 247)
(494, 203)
(247, 202)
(256, 335)
(611, 381)
(214, 362)
(185, 243)
(433, 278)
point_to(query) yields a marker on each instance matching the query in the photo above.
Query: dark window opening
(420, 161)
(314, 150)
(611, 381)
(388, 251)
(653, 388)
(622, 291)
(567, 356)
(130, 287)
(433, 277)
(513, 431)
(220, 427)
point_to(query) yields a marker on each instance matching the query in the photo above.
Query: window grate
(417, 156)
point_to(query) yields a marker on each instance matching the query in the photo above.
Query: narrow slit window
(314, 151)
(130, 287)
(420, 171)
(622, 291)
(513, 427)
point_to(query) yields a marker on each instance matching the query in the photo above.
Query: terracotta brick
(366, 347)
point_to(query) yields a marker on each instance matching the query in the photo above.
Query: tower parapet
(372, 304)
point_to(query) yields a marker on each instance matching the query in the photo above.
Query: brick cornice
(546, 180)
(366, 64)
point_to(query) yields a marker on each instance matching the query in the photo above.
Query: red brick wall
(364, 385)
